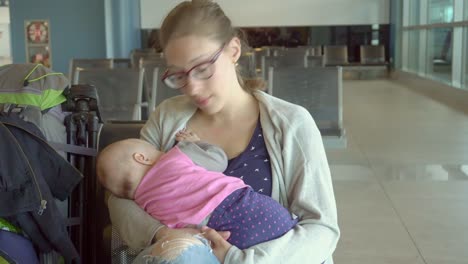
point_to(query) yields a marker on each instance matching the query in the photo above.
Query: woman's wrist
(160, 233)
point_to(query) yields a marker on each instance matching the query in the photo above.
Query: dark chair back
(318, 89)
(111, 248)
(372, 54)
(336, 55)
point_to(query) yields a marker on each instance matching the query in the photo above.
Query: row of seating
(333, 54)
(132, 93)
(252, 61)
(127, 93)
(96, 64)
(302, 79)
(314, 56)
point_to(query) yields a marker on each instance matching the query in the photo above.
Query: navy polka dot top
(253, 164)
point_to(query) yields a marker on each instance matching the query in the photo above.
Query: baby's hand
(187, 135)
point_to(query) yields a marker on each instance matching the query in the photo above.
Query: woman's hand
(218, 242)
(165, 231)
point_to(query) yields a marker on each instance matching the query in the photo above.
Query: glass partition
(413, 50)
(440, 11)
(439, 50)
(465, 58)
(414, 13)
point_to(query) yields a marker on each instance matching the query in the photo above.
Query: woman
(273, 145)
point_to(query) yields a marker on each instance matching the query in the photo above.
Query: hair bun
(254, 84)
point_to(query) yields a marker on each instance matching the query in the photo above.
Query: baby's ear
(141, 158)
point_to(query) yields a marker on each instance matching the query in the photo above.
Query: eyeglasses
(201, 71)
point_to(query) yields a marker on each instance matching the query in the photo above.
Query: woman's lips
(202, 101)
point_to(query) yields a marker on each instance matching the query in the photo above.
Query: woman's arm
(136, 227)
(309, 190)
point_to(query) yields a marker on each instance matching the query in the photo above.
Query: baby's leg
(179, 248)
(187, 135)
(251, 217)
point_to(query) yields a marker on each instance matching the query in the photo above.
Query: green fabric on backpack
(31, 84)
(7, 226)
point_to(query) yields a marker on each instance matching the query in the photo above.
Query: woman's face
(203, 68)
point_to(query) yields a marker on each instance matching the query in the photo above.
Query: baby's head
(121, 165)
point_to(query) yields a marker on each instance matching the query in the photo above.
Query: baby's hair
(121, 163)
(126, 190)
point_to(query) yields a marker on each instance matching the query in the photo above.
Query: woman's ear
(141, 158)
(235, 49)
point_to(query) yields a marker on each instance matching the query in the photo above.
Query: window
(440, 11)
(439, 63)
(465, 59)
(413, 50)
(429, 43)
(375, 34)
(466, 9)
(414, 12)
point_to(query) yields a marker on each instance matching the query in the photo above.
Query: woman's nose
(192, 88)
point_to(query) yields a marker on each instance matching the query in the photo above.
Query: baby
(185, 187)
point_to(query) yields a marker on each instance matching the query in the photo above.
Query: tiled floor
(401, 185)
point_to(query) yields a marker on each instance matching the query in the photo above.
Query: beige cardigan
(301, 183)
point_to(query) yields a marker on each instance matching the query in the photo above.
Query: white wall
(4, 15)
(249, 13)
(5, 47)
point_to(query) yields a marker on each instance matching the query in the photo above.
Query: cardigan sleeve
(136, 227)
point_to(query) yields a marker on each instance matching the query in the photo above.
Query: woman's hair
(204, 18)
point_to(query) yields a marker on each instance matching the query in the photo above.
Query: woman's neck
(240, 106)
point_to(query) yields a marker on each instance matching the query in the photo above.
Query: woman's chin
(210, 109)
